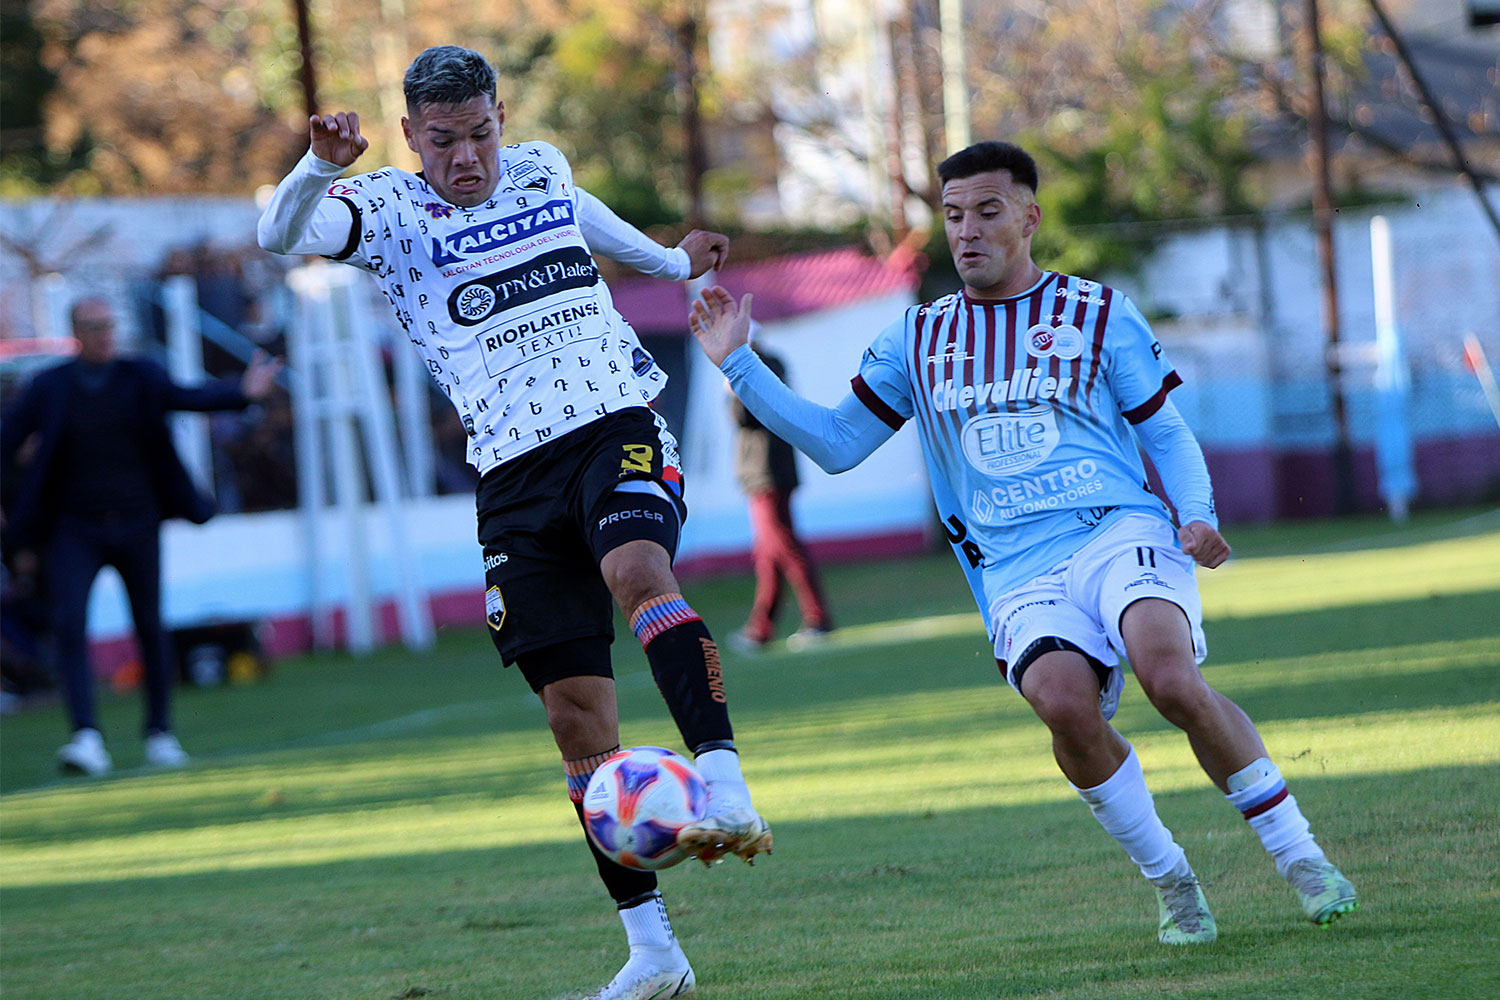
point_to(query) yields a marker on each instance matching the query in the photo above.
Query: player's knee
(577, 722)
(1177, 691)
(1063, 697)
(637, 571)
(1069, 713)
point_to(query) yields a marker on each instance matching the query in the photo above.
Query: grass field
(396, 827)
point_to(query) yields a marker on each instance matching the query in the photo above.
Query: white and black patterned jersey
(504, 300)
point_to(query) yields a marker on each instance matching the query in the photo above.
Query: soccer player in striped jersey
(1032, 391)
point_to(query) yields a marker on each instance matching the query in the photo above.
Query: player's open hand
(336, 138)
(706, 251)
(720, 324)
(260, 375)
(1203, 542)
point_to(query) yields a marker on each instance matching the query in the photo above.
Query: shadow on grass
(1356, 627)
(464, 762)
(1019, 901)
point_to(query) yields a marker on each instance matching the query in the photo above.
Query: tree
(171, 96)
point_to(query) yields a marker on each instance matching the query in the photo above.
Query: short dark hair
(448, 74)
(983, 157)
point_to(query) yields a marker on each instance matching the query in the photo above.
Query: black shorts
(537, 523)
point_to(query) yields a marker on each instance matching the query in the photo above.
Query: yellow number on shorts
(637, 458)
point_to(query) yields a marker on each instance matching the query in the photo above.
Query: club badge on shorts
(494, 608)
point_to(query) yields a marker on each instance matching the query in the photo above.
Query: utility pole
(390, 58)
(305, 47)
(924, 92)
(1439, 118)
(696, 155)
(1343, 463)
(955, 76)
(876, 114)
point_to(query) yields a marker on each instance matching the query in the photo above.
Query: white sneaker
(807, 638)
(651, 974)
(163, 750)
(739, 830)
(85, 754)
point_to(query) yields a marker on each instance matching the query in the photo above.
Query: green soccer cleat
(1183, 910)
(1323, 891)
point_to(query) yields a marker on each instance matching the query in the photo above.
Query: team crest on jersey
(1062, 342)
(529, 177)
(494, 608)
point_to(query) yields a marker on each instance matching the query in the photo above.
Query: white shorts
(1082, 599)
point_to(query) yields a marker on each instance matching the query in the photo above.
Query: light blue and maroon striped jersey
(1023, 406)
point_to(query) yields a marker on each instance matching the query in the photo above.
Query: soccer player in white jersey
(486, 258)
(1031, 390)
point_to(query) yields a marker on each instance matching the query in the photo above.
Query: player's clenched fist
(336, 138)
(1204, 543)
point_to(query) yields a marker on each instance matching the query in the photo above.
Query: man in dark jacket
(98, 475)
(767, 471)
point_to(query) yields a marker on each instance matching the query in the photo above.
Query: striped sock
(580, 771)
(659, 614)
(1272, 813)
(685, 665)
(623, 884)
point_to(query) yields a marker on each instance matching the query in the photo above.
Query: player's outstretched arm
(608, 234)
(300, 219)
(837, 438)
(720, 324)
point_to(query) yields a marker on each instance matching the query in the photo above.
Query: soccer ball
(637, 801)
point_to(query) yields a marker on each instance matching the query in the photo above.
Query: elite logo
(1003, 444)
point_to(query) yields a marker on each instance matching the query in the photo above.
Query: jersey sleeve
(883, 384)
(300, 217)
(608, 234)
(1136, 367)
(367, 196)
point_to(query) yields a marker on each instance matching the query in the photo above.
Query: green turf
(395, 826)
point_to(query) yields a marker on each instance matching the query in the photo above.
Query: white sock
(647, 926)
(1272, 813)
(1124, 807)
(726, 785)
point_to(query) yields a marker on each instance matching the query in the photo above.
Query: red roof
(783, 286)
